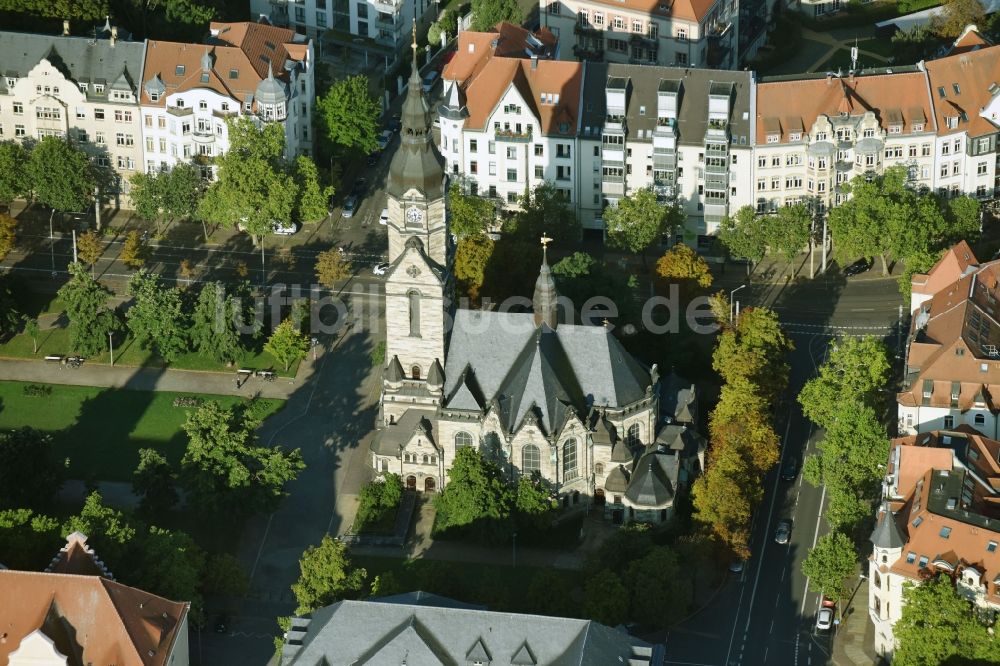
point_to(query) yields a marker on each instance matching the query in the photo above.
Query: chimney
(114, 34)
(829, 78)
(534, 61)
(66, 28)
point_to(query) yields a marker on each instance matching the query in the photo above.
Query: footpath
(854, 644)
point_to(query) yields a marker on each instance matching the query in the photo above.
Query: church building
(537, 394)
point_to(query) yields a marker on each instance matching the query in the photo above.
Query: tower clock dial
(414, 215)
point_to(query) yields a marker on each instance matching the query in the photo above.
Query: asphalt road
(766, 614)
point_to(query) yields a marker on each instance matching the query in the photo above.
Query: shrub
(378, 501)
(188, 401)
(37, 390)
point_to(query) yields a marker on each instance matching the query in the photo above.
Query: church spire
(416, 164)
(545, 301)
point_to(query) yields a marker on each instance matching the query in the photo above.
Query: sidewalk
(775, 270)
(854, 644)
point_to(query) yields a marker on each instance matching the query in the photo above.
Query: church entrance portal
(617, 516)
(429, 485)
(411, 483)
(599, 497)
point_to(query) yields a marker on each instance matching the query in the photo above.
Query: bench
(54, 357)
(244, 371)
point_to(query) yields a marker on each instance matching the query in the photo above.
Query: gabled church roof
(466, 394)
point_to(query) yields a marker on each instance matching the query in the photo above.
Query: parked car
(360, 188)
(384, 138)
(350, 206)
(285, 228)
(790, 471)
(824, 618)
(862, 265)
(784, 531)
(383, 219)
(380, 269)
(736, 566)
(430, 80)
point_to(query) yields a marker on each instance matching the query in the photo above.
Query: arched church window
(415, 372)
(414, 303)
(599, 469)
(633, 437)
(531, 459)
(463, 439)
(569, 459)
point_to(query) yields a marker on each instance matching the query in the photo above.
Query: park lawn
(841, 58)
(499, 587)
(101, 430)
(883, 47)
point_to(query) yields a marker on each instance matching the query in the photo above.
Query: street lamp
(111, 346)
(731, 303)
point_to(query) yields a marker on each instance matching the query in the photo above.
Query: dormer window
(895, 129)
(179, 70)
(154, 97)
(83, 86)
(773, 138)
(99, 88)
(951, 122)
(12, 81)
(234, 73)
(918, 127)
(795, 136)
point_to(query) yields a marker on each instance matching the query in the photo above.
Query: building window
(949, 422)
(945, 532)
(414, 308)
(981, 168)
(539, 172)
(633, 436)
(511, 175)
(18, 130)
(569, 459)
(320, 19)
(991, 547)
(531, 459)
(463, 439)
(682, 59)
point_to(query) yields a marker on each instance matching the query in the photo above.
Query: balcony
(513, 136)
(615, 121)
(613, 155)
(180, 110)
(614, 187)
(592, 54)
(204, 137)
(224, 114)
(714, 212)
(722, 169)
(385, 19)
(646, 41)
(718, 130)
(664, 160)
(586, 28)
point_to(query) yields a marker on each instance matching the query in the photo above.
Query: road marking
(805, 590)
(862, 309)
(765, 654)
(770, 631)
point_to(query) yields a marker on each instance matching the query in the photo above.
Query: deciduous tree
(660, 593)
(350, 115)
(472, 255)
(487, 13)
(287, 344)
(134, 250)
(108, 530)
(640, 220)
(313, 200)
(224, 576)
(744, 235)
(154, 482)
(8, 235)
(13, 171)
(29, 539)
(606, 599)
(756, 349)
(956, 16)
(787, 232)
(156, 317)
(60, 174)
(30, 474)
(31, 330)
(90, 320)
(470, 215)
(89, 248)
(544, 210)
(146, 193)
(856, 369)
(830, 562)
(476, 497)
(332, 267)
(682, 264)
(327, 576)
(214, 328)
(170, 564)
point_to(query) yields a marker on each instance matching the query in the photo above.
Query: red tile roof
(949, 268)
(960, 84)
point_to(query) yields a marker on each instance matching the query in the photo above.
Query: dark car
(784, 531)
(860, 266)
(350, 206)
(789, 471)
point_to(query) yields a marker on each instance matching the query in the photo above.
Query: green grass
(841, 58)
(882, 47)
(101, 430)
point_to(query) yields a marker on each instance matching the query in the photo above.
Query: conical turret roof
(545, 301)
(886, 533)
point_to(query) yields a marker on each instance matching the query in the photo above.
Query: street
(766, 614)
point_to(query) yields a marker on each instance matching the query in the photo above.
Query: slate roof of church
(653, 479)
(353, 632)
(388, 440)
(522, 366)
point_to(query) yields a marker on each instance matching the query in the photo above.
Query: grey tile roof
(528, 369)
(421, 598)
(388, 440)
(886, 533)
(678, 398)
(682, 439)
(356, 632)
(653, 480)
(80, 59)
(645, 81)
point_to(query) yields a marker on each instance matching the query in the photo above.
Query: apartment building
(84, 89)
(814, 134)
(246, 69)
(965, 88)
(952, 360)
(939, 516)
(684, 132)
(307, 17)
(695, 33)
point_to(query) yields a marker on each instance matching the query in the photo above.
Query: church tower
(418, 278)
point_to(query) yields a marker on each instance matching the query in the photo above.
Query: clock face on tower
(414, 215)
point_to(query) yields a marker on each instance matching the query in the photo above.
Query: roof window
(911, 557)
(917, 521)
(941, 93)
(269, 44)
(958, 91)
(179, 70)
(945, 532)
(991, 547)
(234, 73)
(923, 561)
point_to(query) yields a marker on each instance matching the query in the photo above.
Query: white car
(384, 138)
(380, 269)
(824, 619)
(285, 229)
(383, 219)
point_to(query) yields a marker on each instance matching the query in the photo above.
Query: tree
(470, 215)
(157, 318)
(476, 497)
(224, 470)
(332, 267)
(146, 193)
(831, 561)
(920, 262)
(606, 599)
(314, 200)
(660, 594)
(434, 34)
(377, 499)
(682, 264)
(253, 188)
(90, 10)
(917, 43)
(170, 564)
(31, 330)
(327, 576)
(744, 235)
(287, 344)
(956, 16)
(30, 474)
(350, 115)
(472, 255)
(108, 530)
(544, 210)
(724, 497)
(533, 502)
(60, 175)
(856, 369)
(154, 482)
(938, 626)
(789, 230)
(89, 248)
(29, 539)
(13, 171)
(224, 576)
(487, 13)
(134, 250)
(194, 12)
(448, 22)
(640, 220)
(578, 264)
(214, 321)
(90, 320)
(549, 593)
(755, 349)
(181, 191)
(8, 235)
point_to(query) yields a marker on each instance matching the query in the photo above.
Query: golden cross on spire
(545, 241)
(414, 36)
